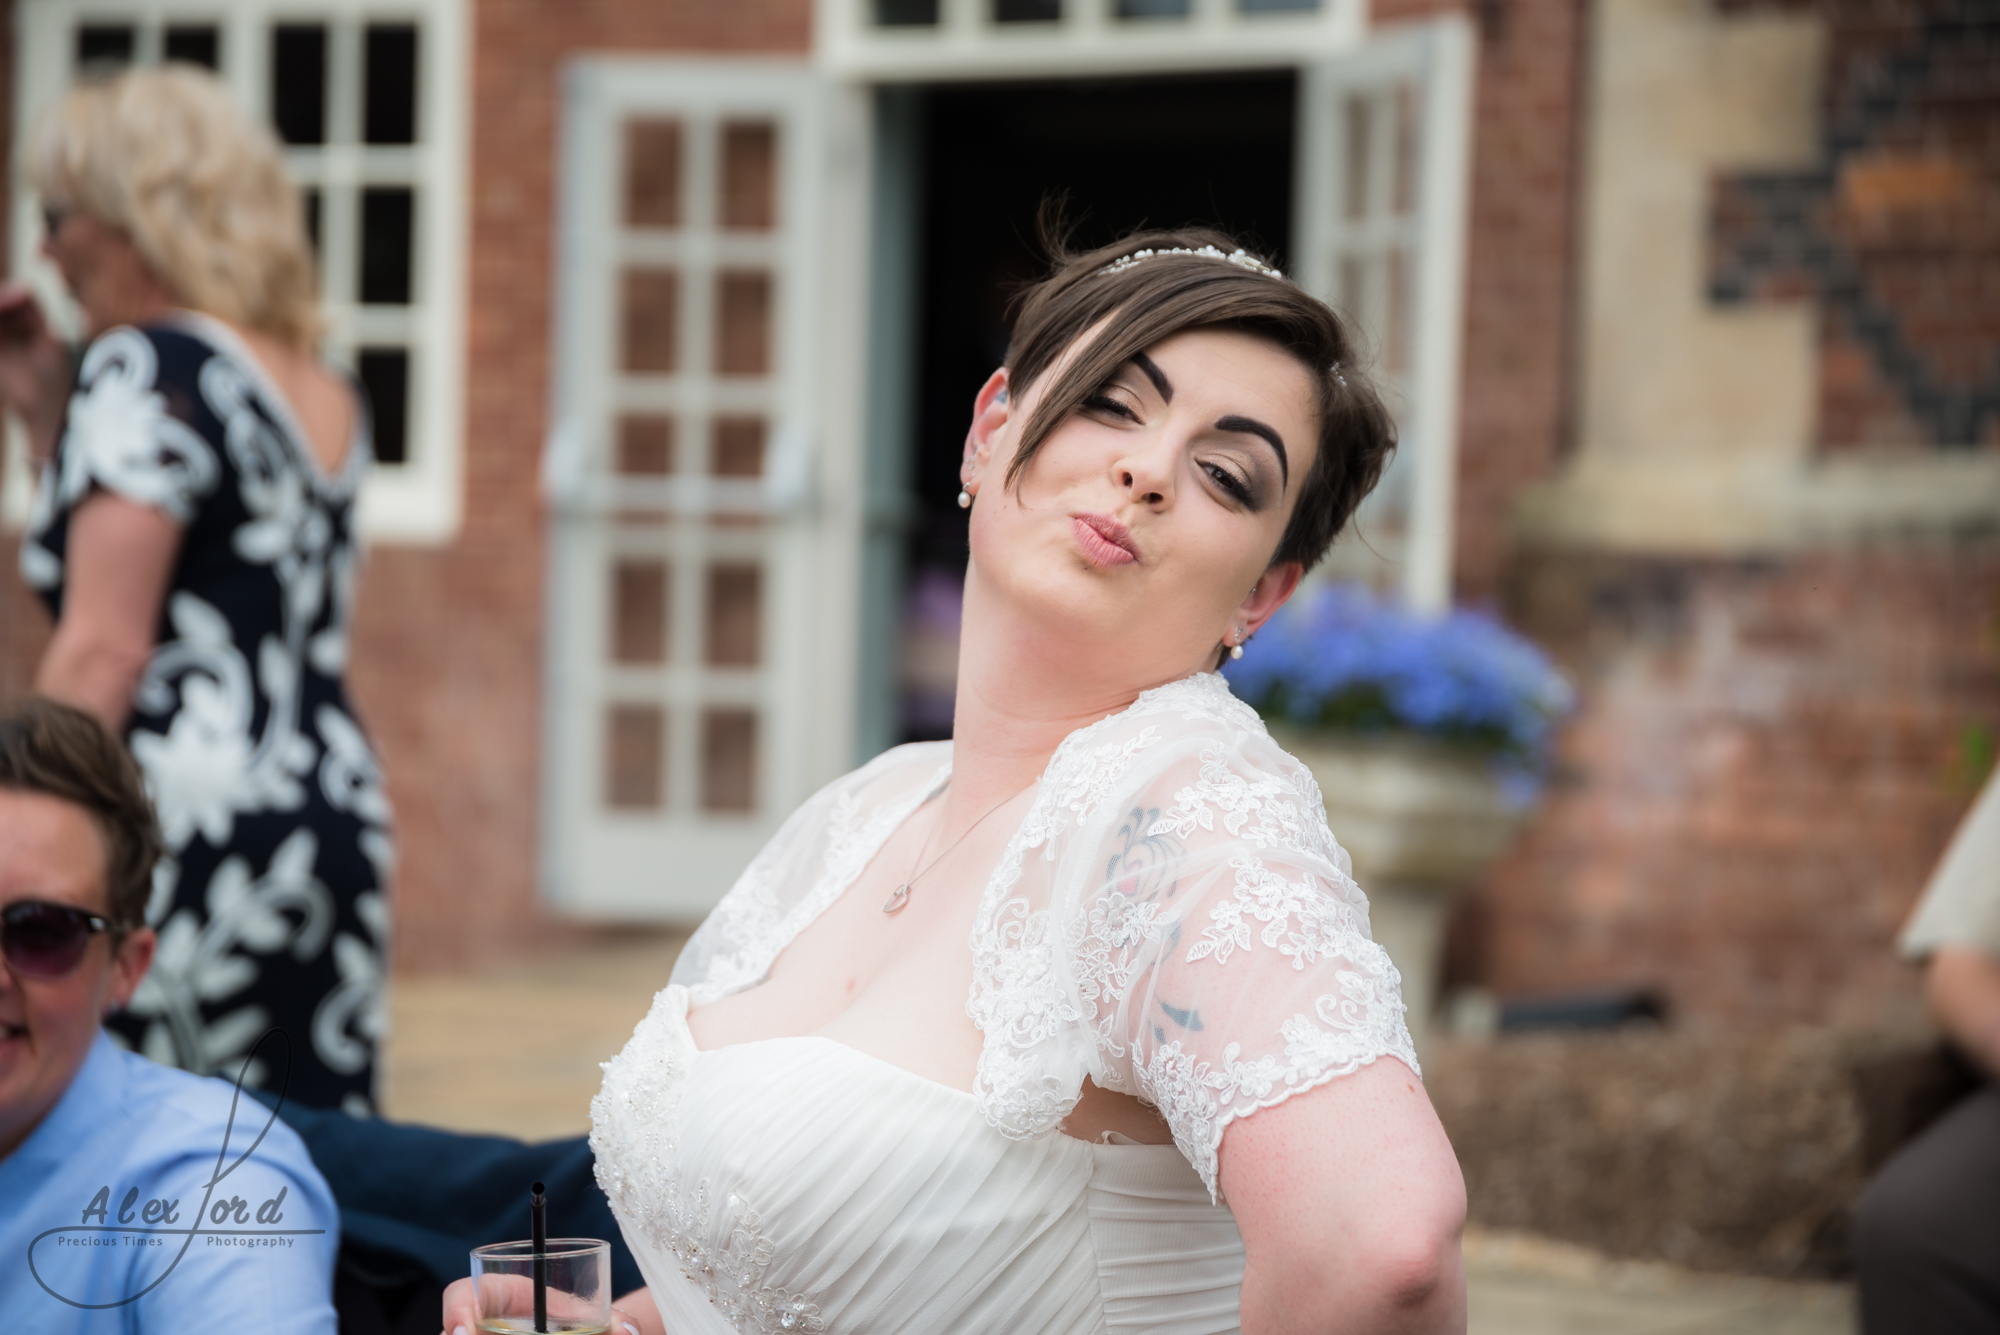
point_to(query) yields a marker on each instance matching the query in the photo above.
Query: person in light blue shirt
(137, 1198)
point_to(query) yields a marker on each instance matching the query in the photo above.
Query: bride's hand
(634, 1313)
(461, 1313)
(463, 1308)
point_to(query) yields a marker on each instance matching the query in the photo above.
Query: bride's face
(1141, 525)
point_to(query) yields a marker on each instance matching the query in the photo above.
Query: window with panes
(365, 102)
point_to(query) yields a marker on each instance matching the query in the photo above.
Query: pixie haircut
(164, 156)
(1162, 295)
(61, 752)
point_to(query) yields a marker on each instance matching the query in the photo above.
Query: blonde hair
(165, 156)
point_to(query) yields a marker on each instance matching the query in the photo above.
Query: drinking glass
(577, 1283)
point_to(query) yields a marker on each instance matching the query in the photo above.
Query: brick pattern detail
(1769, 759)
(1896, 233)
(1518, 303)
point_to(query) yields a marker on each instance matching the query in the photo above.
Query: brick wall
(1519, 296)
(1771, 753)
(1769, 759)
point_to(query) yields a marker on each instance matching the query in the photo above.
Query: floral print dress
(271, 902)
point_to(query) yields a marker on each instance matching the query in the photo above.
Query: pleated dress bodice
(796, 1184)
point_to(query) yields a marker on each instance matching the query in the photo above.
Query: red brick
(1766, 765)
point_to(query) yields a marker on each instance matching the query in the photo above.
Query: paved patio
(514, 1049)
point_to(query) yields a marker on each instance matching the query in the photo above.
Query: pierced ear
(990, 412)
(1274, 589)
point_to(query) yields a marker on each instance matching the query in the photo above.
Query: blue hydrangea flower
(1342, 660)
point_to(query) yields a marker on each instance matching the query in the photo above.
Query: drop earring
(1236, 649)
(964, 499)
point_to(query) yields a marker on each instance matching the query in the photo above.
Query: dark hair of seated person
(51, 748)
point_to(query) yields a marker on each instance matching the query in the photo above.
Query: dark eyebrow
(1256, 428)
(1159, 379)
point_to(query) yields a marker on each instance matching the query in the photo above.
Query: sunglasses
(46, 940)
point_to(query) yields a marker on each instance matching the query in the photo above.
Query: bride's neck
(1021, 690)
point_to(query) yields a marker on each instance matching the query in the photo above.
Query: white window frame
(674, 864)
(421, 501)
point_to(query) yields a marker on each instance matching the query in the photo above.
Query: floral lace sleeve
(1221, 951)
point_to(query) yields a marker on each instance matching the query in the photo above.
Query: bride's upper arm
(1224, 962)
(1350, 1203)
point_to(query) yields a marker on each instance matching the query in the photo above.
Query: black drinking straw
(538, 1206)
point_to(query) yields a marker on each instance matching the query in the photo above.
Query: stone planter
(1421, 822)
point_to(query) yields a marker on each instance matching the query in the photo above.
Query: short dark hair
(46, 747)
(1164, 295)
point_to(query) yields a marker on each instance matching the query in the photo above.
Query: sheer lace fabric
(1171, 919)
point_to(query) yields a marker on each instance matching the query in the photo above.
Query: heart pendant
(898, 899)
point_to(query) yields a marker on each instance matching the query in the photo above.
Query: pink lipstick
(1104, 540)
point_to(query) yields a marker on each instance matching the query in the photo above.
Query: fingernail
(628, 1327)
(460, 1330)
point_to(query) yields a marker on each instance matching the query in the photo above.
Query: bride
(1072, 1023)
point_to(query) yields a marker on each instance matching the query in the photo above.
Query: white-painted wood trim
(1088, 40)
(1444, 184)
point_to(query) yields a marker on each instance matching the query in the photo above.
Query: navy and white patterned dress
(271, 904)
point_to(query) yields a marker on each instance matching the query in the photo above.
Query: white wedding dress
(1171, 920)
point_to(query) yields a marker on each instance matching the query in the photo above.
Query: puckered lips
(1104, 540)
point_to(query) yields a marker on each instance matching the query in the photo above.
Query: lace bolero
(1172, 919)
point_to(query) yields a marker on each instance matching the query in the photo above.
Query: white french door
(1385, 157)
(686, 555)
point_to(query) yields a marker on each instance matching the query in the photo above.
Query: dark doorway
(1123, 153)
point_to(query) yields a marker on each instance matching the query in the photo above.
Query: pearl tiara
(1242, 259)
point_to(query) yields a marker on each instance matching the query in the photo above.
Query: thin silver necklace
(901, 894)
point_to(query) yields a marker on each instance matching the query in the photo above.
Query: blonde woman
(193, 537)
